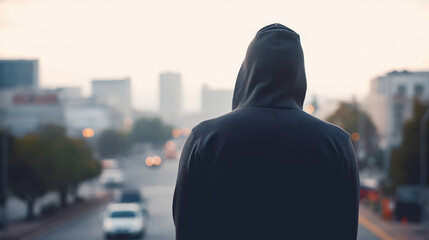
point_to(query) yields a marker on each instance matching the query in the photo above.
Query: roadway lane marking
(374, 229)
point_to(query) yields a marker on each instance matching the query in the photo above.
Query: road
(157, 185)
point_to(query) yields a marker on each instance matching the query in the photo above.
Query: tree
(30, 170)
(81, 165)
(49, 161)
(151, 130)
(112, 143)
(358, 123)
(405, 160)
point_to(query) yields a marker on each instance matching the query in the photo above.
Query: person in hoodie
(267, 169)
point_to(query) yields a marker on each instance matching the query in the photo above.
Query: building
(87, 115)
(215, 102)
(115, 93)
(170, 97)
(81, 113)
(27, 110)
(69, 95)
(6, 98)
(390, 104)
(19, 74)
(33, 109)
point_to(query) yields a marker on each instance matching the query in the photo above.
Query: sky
(346, 43)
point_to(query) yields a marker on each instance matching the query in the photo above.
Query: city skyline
(345, 44)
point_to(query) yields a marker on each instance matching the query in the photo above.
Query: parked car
(134, 196)
(124, 220)
(410, 200)
(112, 177)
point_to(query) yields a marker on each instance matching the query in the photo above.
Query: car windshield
(130, 198)
(123, 214)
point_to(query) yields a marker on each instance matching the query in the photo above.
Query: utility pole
(4, 174)
(423, 122)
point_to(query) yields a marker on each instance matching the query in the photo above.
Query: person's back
(267, 170)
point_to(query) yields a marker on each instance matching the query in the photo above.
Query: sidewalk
(390, 230)
(31, 230)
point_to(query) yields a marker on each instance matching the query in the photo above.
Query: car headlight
(107, 225)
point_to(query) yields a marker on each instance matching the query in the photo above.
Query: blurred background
(97, 98)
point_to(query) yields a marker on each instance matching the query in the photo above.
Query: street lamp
(423, 122)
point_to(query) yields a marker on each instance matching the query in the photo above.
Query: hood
(272, 74)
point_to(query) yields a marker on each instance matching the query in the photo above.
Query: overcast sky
(346, 43)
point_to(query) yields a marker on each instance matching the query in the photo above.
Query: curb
(39, 227)
(373, 228)
(389, 230)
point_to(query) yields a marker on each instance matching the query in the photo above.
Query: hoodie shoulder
(208, 134)
(211, 125)
(329, 128)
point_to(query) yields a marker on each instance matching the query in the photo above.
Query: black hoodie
(267, 170)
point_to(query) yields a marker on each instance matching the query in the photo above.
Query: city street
(296, 130)
(157, 184)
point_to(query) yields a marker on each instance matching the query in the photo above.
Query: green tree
(151, 130)
(358, 123)
(49, 161)
(112, 143)
(73, 160)
(81, 165)
(30, 170)
(405, 160)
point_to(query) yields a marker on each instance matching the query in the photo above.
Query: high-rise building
(390, 104)
(19, 74)
(215, 102)
(170, 97)
(115, 93)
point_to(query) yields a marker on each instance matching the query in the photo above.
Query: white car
(111, 177)
(124, 220)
